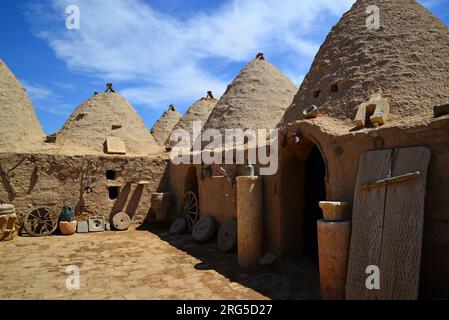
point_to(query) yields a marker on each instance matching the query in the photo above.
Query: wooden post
(333, 244)
(249, 221)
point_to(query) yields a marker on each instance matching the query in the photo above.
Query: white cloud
(157, 59)
(46, 99)
(38, 92)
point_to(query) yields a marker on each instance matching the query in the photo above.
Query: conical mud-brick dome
(256, 99)
(20, 129)
(164, 126)
(199, 111)
(102, 117)
(407, 58)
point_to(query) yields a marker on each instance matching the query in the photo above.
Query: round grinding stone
(227, 236)
(121, 221)
(204, 229)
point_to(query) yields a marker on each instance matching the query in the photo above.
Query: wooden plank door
(403, 227)
(388, 223)
(367, 218)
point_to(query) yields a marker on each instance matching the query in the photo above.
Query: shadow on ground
(296, 280)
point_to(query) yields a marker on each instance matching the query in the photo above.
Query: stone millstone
(268, 260)
(227, 236)
(204, 230)
(179, 226)
(121, 221)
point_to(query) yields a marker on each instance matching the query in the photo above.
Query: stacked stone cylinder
(334, 233)
(249, 221)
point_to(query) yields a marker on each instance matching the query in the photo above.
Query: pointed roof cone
(256, 99)
(407, 58)
(164, 126)
(199, 111)
(20, 129)
(103, 116)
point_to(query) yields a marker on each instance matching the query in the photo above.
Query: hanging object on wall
(206, 172)
(311, 112)
(7, 179)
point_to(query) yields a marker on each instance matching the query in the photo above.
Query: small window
(111, 175)
(334, 88)
(316, 93)
(114, 193)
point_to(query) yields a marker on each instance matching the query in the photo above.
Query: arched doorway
(315, 191)
(302, 187)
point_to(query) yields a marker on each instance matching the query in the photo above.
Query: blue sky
(158, 52)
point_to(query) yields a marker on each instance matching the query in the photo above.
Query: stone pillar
(249, 221)
(333, 245)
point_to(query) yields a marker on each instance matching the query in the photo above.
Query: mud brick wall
(83, 183)
(341, 154)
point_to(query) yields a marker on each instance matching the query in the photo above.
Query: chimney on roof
(109, 88)
(210, 95)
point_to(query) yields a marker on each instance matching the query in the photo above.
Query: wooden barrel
(333, 244)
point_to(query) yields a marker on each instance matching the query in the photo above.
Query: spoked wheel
(190, 208)
(41, 222)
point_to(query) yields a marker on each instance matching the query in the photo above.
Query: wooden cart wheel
(190, 208)
(41, 222)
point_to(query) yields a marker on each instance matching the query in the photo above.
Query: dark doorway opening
(315, 191)
(191, 181)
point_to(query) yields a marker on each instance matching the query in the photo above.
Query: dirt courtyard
(137, 265)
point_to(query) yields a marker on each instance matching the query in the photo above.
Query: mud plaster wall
(217, 197)
(55, 180)
(342, 154)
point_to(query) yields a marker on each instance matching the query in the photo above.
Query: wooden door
(388, 220)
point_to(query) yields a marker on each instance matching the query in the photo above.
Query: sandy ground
(135, 265)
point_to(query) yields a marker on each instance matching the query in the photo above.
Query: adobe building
(197, 112)
(102, 162)
(372, 90)
(17, 115)
(367, 90)
(368, 127)
(164, 126)
(256, 99)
